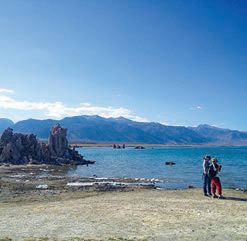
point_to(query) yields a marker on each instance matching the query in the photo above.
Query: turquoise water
(150, 163)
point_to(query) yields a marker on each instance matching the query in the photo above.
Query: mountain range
(96, 129)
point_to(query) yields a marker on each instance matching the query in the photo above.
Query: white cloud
(198, 107)
(2, 90)
(59, 110)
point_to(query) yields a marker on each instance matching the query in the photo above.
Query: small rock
(42, 186)
(170, 163)
(139, 147)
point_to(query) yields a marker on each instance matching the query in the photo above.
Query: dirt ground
(135, 215)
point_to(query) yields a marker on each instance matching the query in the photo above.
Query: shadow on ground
(236, 199)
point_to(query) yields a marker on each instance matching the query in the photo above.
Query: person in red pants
(214, 171)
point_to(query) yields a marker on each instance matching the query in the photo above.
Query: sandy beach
(132, 213)
(136, 215)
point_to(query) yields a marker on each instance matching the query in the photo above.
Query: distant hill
(221, 136)
(5, 123)
(99, 129)
(41, 128)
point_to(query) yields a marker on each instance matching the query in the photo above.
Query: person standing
(214, 171)
(206, 178)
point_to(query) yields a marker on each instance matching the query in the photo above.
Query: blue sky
(174, 62)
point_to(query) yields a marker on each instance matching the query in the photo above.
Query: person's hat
(207, 157)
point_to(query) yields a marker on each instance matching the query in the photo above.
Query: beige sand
(141, 214)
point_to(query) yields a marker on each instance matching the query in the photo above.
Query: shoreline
(28, 177)
(33, 179)
(78, 145)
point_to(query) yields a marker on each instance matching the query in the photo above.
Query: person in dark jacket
(206, 178)
(214, 171)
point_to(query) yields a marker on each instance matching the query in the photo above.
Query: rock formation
(16, 148)
(57, 141)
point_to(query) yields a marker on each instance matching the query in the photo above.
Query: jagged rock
(16, 148)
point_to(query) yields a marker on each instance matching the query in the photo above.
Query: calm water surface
(150, 163)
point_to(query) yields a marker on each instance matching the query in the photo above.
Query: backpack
(211, 172)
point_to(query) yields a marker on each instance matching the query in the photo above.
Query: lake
(150, 163)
